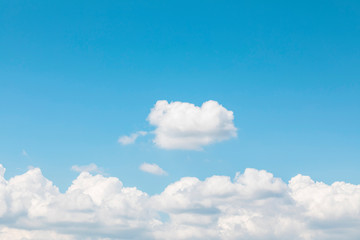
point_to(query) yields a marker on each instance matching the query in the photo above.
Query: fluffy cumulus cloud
(152, 168)
(181, 125)
(252, 205)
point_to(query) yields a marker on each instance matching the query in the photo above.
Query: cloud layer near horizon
(182, 125)
(254, 205)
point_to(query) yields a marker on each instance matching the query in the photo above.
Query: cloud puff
(152, 168)
(181, 125)
(254, 205)
(126, 140)
(91, 168)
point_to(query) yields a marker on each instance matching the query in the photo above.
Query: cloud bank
(152, 168)
(182, 125)
(254, 205)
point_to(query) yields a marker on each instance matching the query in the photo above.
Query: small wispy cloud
(126, 140)
(24, 153)
(91, 168)
(152, 168)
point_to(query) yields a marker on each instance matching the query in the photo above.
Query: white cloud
(126, 140)
(152, 168)
(254, 205)
(91, 168)
(181, 125)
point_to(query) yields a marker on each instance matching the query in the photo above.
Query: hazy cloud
(152, 168)
(126, 140)
(24, 153)
(91, 168)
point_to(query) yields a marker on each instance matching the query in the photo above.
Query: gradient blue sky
(76, 75)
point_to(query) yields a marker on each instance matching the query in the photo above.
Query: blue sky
(75, 76)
